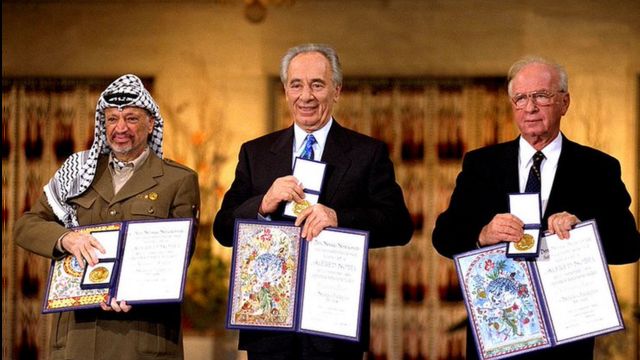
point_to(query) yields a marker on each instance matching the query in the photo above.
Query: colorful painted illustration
(502, 303)
(64, 292)
(265, 275)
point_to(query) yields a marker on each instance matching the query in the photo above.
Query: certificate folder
(280, 281)
(145, 262)
(517, 306)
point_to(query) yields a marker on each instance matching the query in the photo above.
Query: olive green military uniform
(146, 331)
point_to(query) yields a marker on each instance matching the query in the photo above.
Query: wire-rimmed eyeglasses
(539, 97)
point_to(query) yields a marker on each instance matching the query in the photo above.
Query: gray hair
(327, 51)
(563, 78)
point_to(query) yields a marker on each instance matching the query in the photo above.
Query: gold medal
(525, 243)
(99, 274)
(299, 207)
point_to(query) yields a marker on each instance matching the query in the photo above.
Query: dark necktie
(307, 153)
(533, 182)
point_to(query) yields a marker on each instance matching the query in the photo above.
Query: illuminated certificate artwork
(282, 282)
(501, 300)
(144, 262)
(516, 305)
(266, 275)
(65, 276)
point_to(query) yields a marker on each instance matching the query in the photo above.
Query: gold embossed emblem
(72, 267)
(525, 243)
(298, 208)
(153, 196)
(99, 274)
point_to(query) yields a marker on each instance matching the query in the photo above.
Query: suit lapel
(282, 150)
(336, 156)
(509, 166)
(565, 166)
(142, 179)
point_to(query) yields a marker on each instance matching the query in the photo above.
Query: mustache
(124, 133)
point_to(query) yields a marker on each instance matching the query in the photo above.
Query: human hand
(285, 188)
(503, 227)
(82, 246)
(316, 218)
(561, 223)
(117, 306)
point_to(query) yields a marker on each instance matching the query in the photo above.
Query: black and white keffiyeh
(77, 172)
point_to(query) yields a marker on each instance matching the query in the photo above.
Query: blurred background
(427, 77)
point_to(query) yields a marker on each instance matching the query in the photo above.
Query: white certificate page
(576, 285)
(333, 283)
(153, 262)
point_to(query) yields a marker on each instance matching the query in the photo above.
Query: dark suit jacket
(359, 185)
(587, 184)
(147, 330)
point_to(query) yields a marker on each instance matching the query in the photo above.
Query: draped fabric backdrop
(427, 124)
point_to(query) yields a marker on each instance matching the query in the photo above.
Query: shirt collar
(320, 135)
(135, 163)
(551, 151)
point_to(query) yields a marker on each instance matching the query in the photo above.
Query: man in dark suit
(577, 183)
(359, 191)
(122, 177)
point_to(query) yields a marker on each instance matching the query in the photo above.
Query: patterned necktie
(533, 182)
(307, 153)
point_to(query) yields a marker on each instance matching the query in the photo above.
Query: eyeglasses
(540, 98)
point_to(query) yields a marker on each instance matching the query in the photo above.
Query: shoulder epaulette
(174, 163)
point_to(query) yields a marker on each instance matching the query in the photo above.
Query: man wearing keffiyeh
(123, 176)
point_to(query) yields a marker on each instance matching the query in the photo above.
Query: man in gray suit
(122, 177)
(359, 191)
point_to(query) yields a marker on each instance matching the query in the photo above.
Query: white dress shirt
(547, 168)
(318, 148)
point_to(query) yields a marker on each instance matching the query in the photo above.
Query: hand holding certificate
(526, 206)
(310, 173)
(144, 262)
(517, 306)
(576, 285)
(282, 282)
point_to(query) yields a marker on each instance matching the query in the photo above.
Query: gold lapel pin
(153, 196)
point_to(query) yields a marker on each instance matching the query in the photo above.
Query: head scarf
(75, 175)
